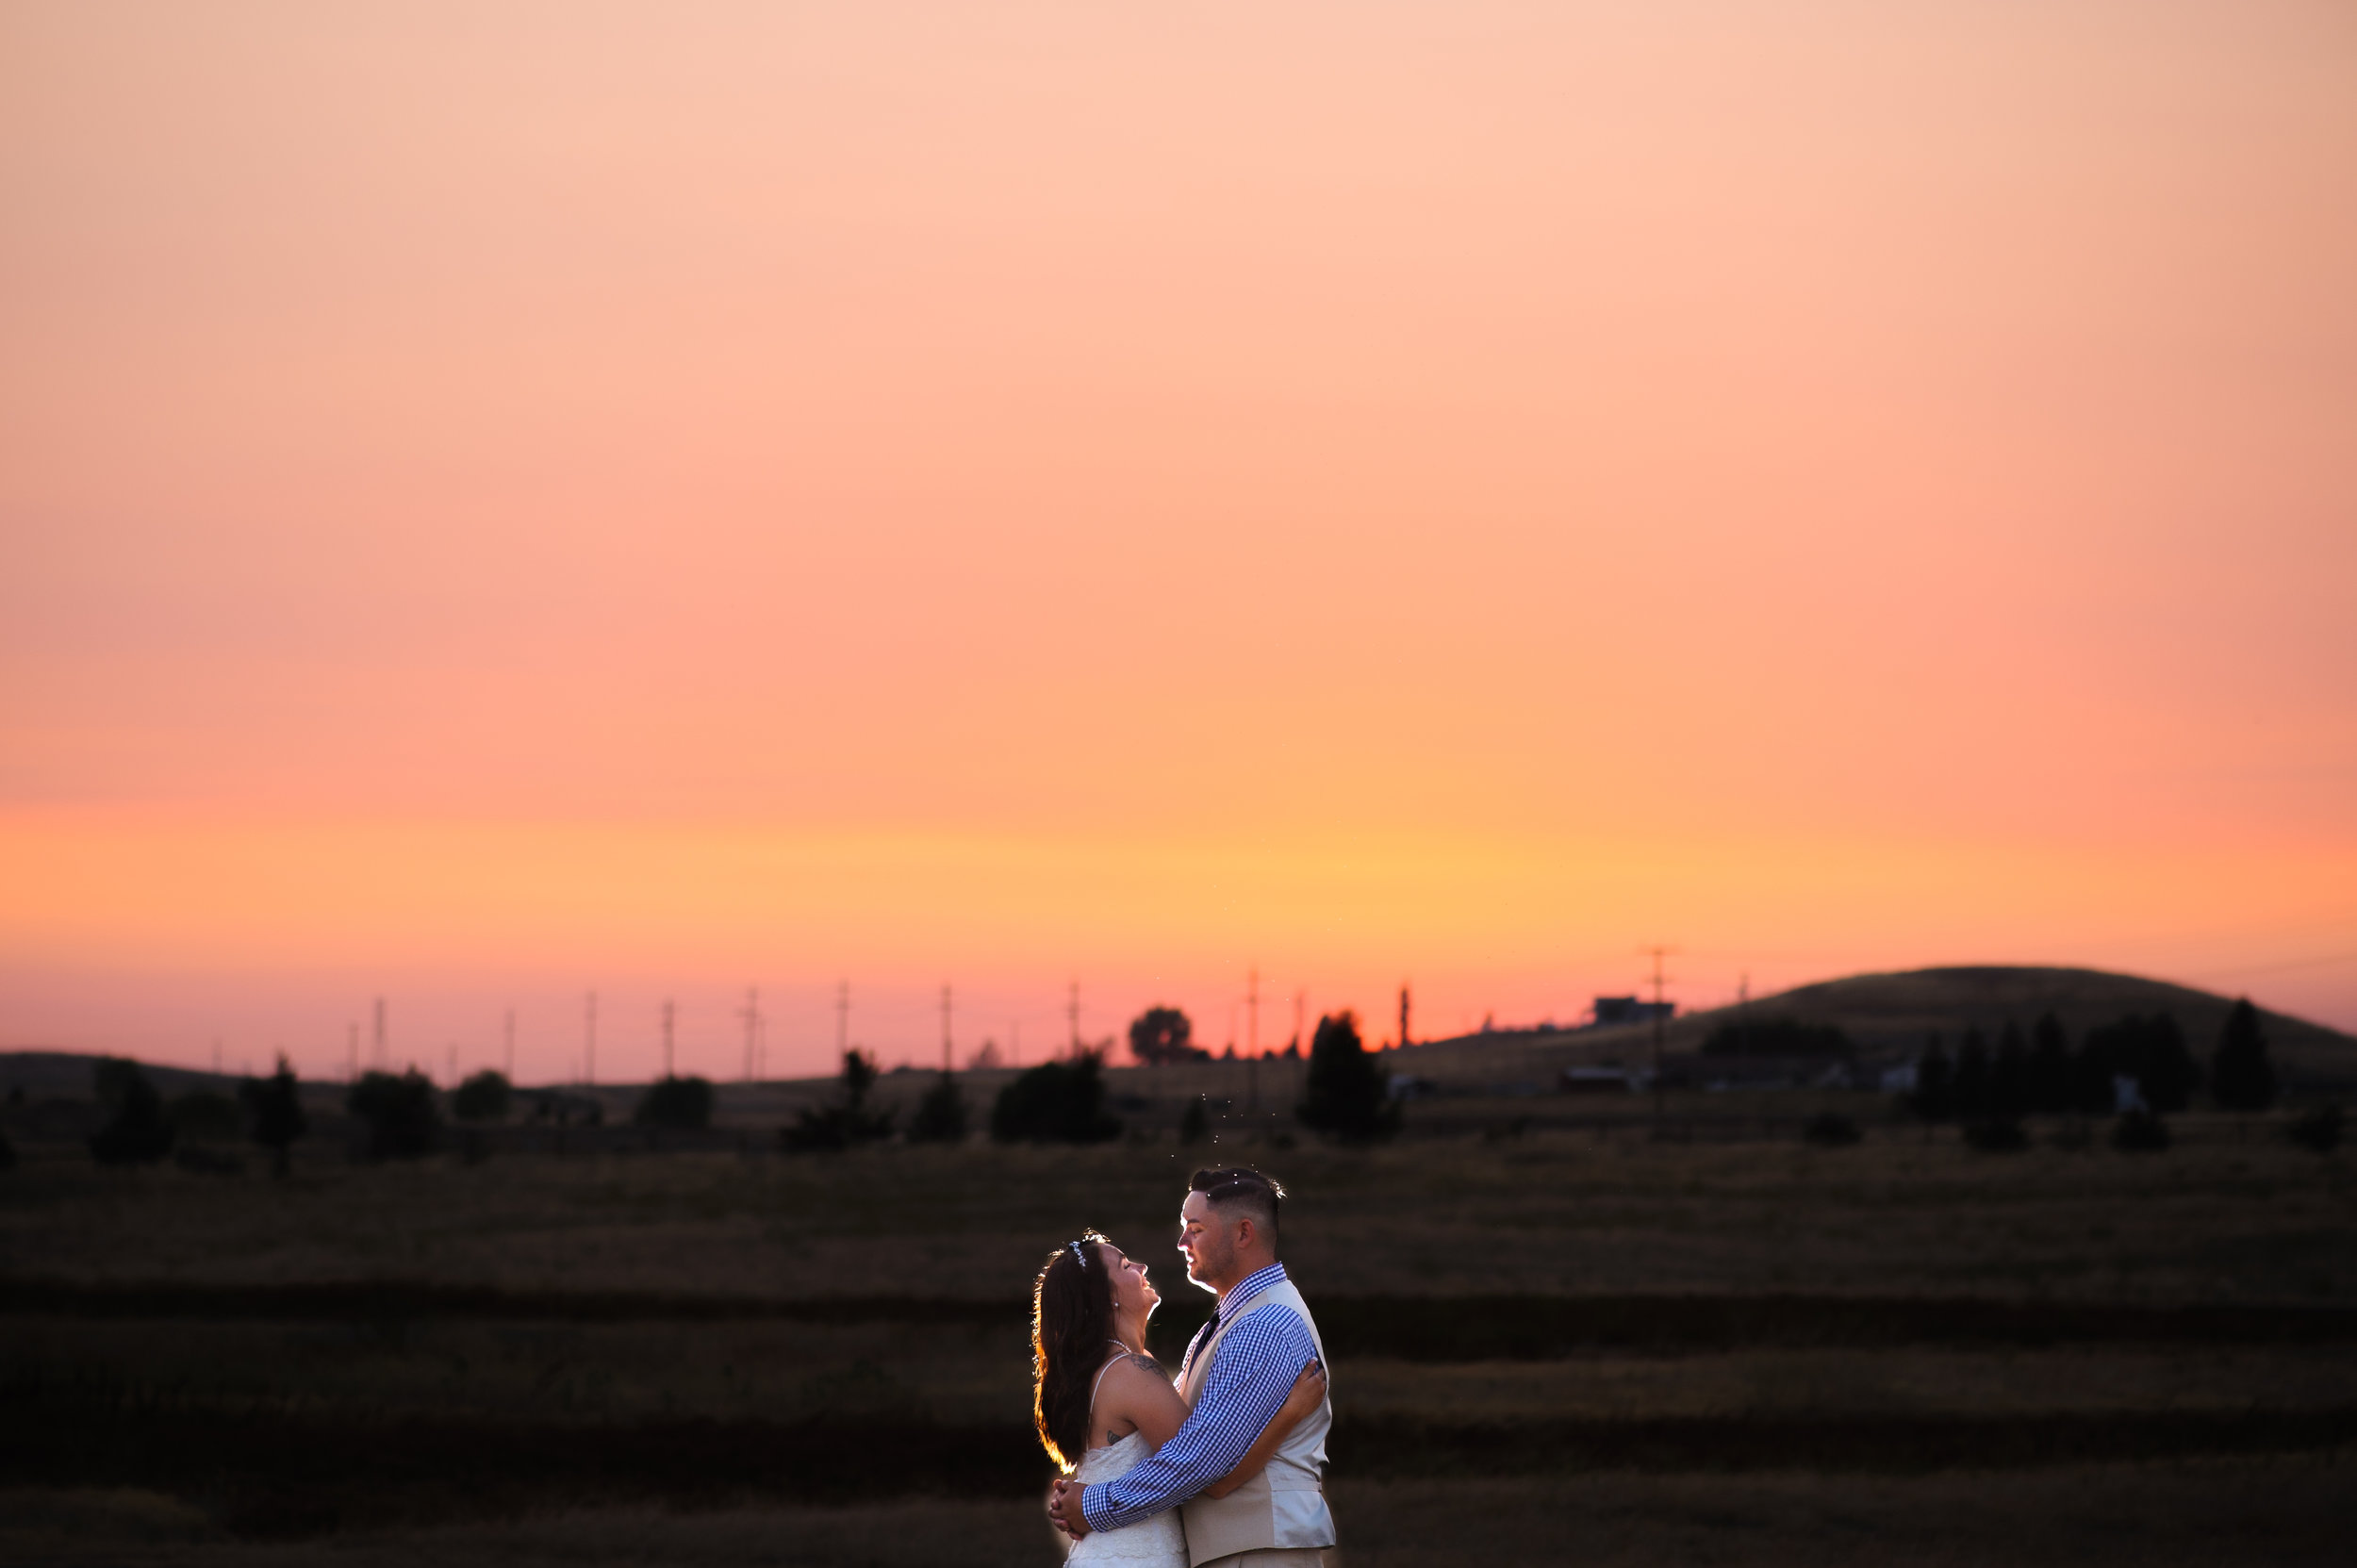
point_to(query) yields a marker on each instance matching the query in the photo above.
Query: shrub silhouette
(483, 1098)
(2318, 1129)
(1196, 1125)
(2140, 1133)
(276, 1111)
(402, 1114)
(137, 1132)
(830, 1128)
(940, 1115)
(2241, 1077)
(1345, 1093)
(204, 1113)
(2150, 1050)
(1995, 1136)
(1778, 1037)
(1056, 1103)
(1831, 1130)
(679, 1104)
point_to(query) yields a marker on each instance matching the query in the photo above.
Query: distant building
(1613, 1011)
(1595, 1080)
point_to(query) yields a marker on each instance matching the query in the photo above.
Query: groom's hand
(1063, 1507)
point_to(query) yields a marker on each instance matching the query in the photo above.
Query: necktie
(1202, 1337)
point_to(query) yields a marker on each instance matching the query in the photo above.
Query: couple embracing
(1220, 1464)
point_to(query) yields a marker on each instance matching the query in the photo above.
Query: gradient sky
(498, 501)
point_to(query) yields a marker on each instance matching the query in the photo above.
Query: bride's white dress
(1160, 1540)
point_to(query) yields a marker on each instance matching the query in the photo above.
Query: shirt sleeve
(1245, 1388)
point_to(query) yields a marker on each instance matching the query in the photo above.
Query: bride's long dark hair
(1072, 1318)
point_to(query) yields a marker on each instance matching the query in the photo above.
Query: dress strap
(1109, 1363)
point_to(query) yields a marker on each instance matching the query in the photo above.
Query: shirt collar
(1252, 1284)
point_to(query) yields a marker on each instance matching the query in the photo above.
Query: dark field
(1561, 1343)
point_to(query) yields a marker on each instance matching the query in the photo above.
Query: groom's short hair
(1233, 1187)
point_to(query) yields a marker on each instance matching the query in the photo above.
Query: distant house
(1611, 1011)
(1410, 1086)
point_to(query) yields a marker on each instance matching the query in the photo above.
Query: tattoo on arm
(1144, 1362)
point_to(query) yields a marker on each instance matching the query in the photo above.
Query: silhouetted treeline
(2139, 1060)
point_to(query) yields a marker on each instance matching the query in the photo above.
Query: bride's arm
(1139, 1392)
(1309, 1392)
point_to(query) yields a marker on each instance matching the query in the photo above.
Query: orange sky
(493, 505)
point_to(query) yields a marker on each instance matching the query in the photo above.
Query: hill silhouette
(1890, 1014)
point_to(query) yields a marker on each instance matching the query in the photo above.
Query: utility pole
(667, 1037)
(945, 1030)
(1403, 1014)
(507, 1054)
(753, 1033)
(589, 1040)
(841, 1021)
(376, 1039)
(1661, 1102)
(1072, 1010)
(1252, 1039)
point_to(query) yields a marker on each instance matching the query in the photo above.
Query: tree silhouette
(2009, 1074)
(2152, 1051)
(276, 1111)
(940, 1115)
(1196, 1125)
(2241, 1077)
(403, 1114)
(2092, 1068)
(1345, 1093)
(1973, 1086)
(1934, 1096)
(2050, 1066)
(483, 1098)
(1163, 1034)
(832, 1129)
(136, 1133)
(679, 1104)
(1056, 1103)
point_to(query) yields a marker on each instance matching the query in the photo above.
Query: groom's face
(1208, 1241)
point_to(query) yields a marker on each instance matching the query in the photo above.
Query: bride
(1102, 1404)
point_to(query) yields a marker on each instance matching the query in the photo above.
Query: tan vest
(1284, 1505)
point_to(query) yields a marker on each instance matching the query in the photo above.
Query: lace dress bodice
(1160, 1540)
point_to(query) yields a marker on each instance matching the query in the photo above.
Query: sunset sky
(498, 502)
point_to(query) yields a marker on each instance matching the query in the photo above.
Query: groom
(1239, 1368)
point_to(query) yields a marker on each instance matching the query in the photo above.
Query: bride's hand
(1309, 1392)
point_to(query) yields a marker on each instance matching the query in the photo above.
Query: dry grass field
(1552, 1341)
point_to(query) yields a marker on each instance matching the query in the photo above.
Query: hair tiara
(1077, 1256)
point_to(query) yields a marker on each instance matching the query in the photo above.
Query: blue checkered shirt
(1245, 1388)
